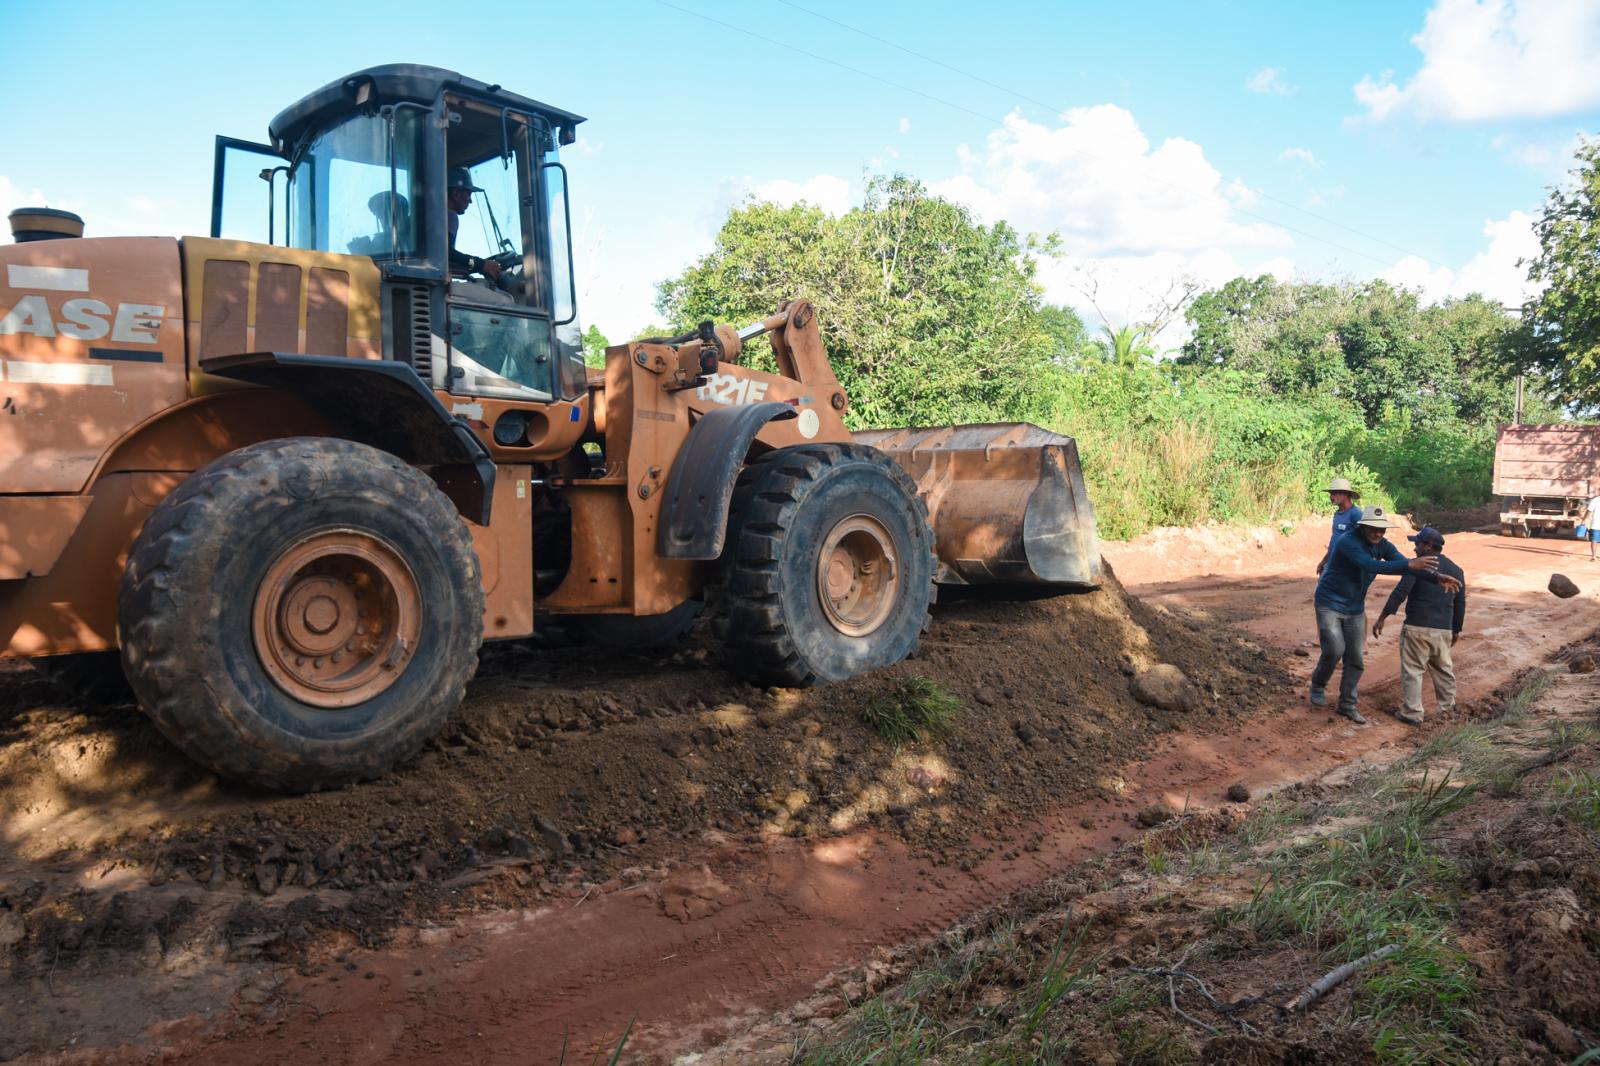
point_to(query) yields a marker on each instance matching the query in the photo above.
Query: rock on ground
(1164, 686)
(1562, 586)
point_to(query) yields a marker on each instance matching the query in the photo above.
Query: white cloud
(1269, 81)
(1496, 59)
(1323, 197)
(1303, 156)
(1494, 271)
(905, 125)
(12, 196)
(1134, 218)
(826, 191)
(1097, 181)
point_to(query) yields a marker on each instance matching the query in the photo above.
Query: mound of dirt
(568, 767)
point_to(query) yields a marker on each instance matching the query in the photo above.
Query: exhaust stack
(44, 224)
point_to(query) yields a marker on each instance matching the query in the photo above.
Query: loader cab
(363, 167)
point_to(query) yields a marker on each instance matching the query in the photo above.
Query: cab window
(356, 188)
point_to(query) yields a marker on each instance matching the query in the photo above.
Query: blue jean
(1343, 637)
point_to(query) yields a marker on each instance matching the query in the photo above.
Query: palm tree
(1126, 346)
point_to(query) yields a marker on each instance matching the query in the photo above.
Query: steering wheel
(510, 278)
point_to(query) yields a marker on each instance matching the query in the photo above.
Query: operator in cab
(460, 198)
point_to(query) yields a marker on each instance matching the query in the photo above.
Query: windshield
(357, 190)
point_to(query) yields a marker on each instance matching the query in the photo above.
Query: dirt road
(746, 920)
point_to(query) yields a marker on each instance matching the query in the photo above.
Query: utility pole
(1516, 417)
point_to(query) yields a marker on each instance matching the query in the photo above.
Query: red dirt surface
(711, 929)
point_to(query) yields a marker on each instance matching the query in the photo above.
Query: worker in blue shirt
(1341, 600)
(1346, 514)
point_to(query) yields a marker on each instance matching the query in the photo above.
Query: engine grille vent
(413, 328)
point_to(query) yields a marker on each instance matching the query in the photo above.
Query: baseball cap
(1428, 537)
(459, 178)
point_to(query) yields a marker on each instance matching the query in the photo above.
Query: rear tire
(828, 569)
(302, 613)
(89, 677)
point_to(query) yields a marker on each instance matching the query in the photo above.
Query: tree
(1126, 346)
(1560, 338)
(594, 348)
(1373, 345)
(927, 315)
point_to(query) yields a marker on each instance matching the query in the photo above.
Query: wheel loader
(283, 481)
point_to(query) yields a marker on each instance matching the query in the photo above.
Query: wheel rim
(856, 575)
(336, 618)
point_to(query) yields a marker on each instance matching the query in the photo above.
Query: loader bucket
(1006, 501)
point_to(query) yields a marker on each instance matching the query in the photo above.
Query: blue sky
(1164, 141)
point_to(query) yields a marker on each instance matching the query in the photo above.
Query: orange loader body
(133, 369)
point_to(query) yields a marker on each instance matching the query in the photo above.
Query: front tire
(828, 569)
(302, 613)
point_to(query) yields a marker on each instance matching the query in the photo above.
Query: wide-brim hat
(1342, 484)
(1376, 518)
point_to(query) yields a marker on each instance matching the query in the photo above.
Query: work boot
(1353, 714)
(1408, 717)
(1319, 697)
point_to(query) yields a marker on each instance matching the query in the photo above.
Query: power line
(1039, 103)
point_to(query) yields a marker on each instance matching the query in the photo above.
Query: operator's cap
(1375, 518)
(1342, 484)
(460, 179)
(1427, 537)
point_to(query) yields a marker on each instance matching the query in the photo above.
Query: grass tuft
(1536, 685)
(1578, 796)
(915, 708)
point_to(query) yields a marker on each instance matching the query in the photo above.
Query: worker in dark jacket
(1433, 625)
(1341, 600)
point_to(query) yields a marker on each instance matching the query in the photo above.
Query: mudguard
(378, 402)
(694, 517)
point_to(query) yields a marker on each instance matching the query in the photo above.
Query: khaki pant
(1426, 650)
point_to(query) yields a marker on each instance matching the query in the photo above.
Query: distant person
(1432, 627)
(1591, 519)
(1341, 601)
(1346, 514)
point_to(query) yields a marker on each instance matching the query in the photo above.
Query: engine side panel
(91, 345)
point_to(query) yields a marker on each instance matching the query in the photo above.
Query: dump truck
(1545, 476)
(284, 480)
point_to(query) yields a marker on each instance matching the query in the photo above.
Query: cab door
(249, 193)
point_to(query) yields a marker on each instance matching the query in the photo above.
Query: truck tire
(302, 613)
(828, 566)
(89, 677)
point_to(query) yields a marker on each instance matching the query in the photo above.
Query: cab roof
(393, 82)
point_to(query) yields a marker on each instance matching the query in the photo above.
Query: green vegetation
(930, 317)
(1578, 796)
(1561, 335)
(914, 708)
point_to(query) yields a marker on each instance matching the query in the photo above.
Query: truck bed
(1560, 461)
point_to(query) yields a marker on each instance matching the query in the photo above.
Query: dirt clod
(1238, 793)
(1154, 815)
(1164, 686)
(1582, 664)
(1562, 586)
